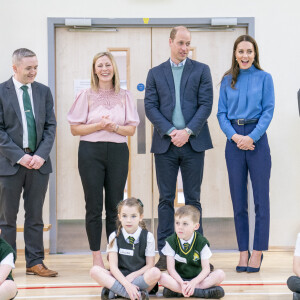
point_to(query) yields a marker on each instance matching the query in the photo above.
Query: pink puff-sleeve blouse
(90, 106)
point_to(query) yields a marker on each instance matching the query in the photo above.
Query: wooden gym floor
(74, 281)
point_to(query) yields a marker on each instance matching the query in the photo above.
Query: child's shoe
(167, 293)
(14, 296)
(215, 292)
(144, 295)
(154, 290)
(105, 293)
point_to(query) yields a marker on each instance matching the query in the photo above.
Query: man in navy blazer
(178, 101)
(27, 133)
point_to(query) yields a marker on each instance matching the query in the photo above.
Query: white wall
(277, 31)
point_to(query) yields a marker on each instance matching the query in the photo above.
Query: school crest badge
(196, 256)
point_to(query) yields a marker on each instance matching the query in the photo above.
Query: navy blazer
(196, 97)
(11, 127)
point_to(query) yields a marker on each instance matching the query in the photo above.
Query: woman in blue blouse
(245, 110)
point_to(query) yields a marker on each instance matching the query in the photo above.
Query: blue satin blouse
(252, 98)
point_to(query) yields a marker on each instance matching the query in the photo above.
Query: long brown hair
(235, 69)
(131, 202)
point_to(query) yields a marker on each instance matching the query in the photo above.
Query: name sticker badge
(127, 252)
(179, 258)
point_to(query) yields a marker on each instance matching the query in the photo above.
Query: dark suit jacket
(196, 96)
(11, 128)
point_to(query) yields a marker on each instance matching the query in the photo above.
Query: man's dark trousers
(191, 164)
(34, 185)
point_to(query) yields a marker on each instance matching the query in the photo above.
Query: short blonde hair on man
(115, 79)
(188, 211)
(174, 31)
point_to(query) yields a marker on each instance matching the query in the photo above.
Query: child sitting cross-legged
(188, 256)
(131, 253)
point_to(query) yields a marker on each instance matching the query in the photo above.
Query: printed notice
(81, 84)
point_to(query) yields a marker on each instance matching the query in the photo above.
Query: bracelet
(116, 129)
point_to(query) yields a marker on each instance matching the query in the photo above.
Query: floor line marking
(58, 296)
(78, 285)
(247, 294)
(95, 284)
(251, 284)
(254, 281)
(59, 284)
(57, 287)
(94, 296)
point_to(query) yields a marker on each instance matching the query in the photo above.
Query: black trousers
(34, 186)
(102, 165)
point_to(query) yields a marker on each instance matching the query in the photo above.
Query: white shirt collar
(182, 63)
(18, 84)
(134, 235)
(189, 241)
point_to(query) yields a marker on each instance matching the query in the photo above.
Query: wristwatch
(189, 131)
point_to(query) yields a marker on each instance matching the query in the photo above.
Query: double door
(136, 51)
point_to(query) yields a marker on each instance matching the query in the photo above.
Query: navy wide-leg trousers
(258, 163)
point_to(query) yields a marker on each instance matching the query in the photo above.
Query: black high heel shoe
(241, 269)
(254, 270)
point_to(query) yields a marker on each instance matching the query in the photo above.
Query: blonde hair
(189, 211)
(130, 202)
(115, 79)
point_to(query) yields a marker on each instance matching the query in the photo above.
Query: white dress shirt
(150, 248)
(19, 92)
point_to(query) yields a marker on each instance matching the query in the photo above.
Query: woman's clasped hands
(107, 124)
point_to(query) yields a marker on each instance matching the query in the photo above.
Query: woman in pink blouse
(103, 116)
